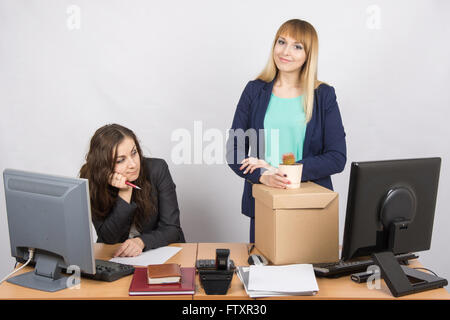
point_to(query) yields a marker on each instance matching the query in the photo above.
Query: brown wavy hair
(100, 162)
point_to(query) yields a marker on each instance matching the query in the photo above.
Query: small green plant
(288, 158)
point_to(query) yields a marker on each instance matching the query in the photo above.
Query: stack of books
(272, 281)
(163, 279)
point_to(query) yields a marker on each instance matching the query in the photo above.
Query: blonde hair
(304, 33)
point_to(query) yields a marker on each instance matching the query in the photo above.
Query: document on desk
(153, 256)
(289, 279)
(242, 273)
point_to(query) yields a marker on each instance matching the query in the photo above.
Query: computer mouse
(257, 260)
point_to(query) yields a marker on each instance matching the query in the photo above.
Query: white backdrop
(68, 67)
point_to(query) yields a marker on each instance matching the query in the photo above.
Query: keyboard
(341, 268)
(109, 271)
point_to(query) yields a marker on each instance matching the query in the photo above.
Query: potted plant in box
(292, 169)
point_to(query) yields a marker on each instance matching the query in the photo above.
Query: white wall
(156, 67)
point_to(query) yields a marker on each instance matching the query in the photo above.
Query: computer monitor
(52, 215)
(390, 210)
(390, 206)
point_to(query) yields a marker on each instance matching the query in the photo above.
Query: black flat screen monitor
(390, 206)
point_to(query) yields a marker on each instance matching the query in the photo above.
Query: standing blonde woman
(298, 114)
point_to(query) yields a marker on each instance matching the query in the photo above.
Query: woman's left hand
(130, 248)
(251, 164)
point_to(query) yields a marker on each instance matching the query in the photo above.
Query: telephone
(210, 264)
(216, 275)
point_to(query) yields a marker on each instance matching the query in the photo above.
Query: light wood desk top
(100, 290)
(329, 289)
(345, 289)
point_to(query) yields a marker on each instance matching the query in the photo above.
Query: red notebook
(140, 287)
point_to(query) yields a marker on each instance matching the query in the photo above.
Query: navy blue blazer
(324, 148)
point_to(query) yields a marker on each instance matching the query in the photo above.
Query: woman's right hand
(274, 178)
(117, 180)
(125, 191)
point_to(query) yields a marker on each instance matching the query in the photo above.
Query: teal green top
(284, 128)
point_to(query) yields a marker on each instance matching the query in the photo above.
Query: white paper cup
(294, 174)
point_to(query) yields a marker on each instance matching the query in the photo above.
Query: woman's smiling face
(288, 54)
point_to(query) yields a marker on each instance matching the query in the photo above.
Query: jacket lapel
(263, 104)
(309, 127)
(260, 115)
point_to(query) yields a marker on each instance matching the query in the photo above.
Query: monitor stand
(402, 280)
(46, 276)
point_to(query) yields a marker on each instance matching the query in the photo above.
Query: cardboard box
(297, 225)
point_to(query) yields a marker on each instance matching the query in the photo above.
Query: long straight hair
(304, 33)
(100, 162)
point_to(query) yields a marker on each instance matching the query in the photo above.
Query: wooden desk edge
(104, 252)
(241, 295)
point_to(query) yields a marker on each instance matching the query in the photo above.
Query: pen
(251, 248)
(132, 185)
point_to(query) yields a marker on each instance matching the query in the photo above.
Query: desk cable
(31, 254)
(426, 270)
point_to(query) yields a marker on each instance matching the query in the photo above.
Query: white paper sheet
(243, 274)
(290, 278)
(153, 256)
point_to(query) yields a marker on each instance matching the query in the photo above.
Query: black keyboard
(341, 268)
(109, 271)
(104, 270)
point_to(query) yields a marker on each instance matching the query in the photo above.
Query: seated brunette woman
(139, 219)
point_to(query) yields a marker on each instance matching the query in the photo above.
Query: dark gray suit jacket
(162, 228)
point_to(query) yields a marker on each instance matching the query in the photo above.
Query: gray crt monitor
(51, 214)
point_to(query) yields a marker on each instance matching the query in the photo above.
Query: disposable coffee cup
(294, 174)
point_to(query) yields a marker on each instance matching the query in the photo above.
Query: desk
(345, 289)
(100, 290)
(329, 289)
